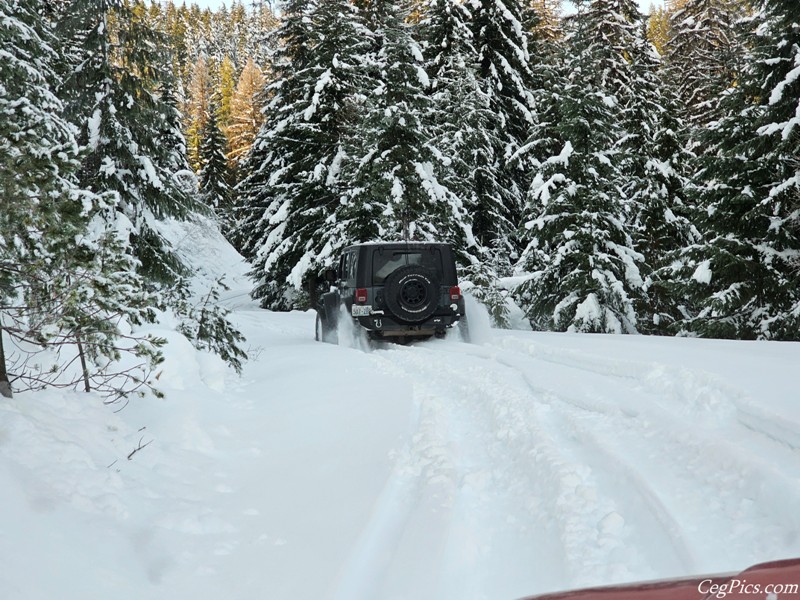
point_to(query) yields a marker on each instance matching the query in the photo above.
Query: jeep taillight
(455, 293)
(361, 295)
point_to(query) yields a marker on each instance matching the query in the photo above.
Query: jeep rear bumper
(380, 325)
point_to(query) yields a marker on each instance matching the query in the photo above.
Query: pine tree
(37, 153)
(611, 38)
(260, 26)
(447, 41)
(504, 75)
(703, 55)
(583, 274)
(662, 208)
(171, 155)
(215, 190)
(648, 156)
(111, 95)
(742, 280)
(174, 25)
(468, 142)
(134, 154)
(261, 204)
(198, 32)
(65, 283)
(504, 65)
(397, 191)
(301, 153)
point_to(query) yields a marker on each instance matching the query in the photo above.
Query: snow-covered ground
(522, 463)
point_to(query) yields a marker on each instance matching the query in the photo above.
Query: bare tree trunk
(82, 354)
(5, 384)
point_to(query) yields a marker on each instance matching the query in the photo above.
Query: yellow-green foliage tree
(196, 110)
(226, 86)
(658, 28)
(543, 18)
(245, 112)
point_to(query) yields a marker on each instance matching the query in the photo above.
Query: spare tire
(412, 293)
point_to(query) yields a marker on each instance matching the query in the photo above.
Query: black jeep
(398, 290)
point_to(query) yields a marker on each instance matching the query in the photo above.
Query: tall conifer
(742, 280)
(397, 192)
(215, 190)
(112, 96)
(583, 273)
(503, 68)
(66, 284)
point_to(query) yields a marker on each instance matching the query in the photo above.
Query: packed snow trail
(519, 464)
(583, 472)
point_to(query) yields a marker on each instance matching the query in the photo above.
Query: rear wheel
(323, 332)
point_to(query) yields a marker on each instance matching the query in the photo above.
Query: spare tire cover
(412, 293)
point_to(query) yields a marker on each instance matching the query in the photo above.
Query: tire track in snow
(420, 465)
(582, 470)
(639, 500)
(447, 459)
(696, 389)
(596, 541)
(363, 572)
(532, 481)
(715, 474)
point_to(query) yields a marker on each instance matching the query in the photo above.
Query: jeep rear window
(385, 262)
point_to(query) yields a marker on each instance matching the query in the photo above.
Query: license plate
(361, 311)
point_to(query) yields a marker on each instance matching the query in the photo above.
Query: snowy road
(534, 467)
(520, 464)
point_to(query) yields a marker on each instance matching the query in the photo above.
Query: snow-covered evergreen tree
(503, 69)
(278, 164)
(111, 95)
(320, 125)
(65, 282)
(215, 189)
(134, 154)
(582, 271)
(658, 190)
(260, 24)
(397, 192)
(465, 132)
(37, 154)
(620, 66)
(703, 55)
(462, 121)
(171, 153)
(743, 280)
(447, 39)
